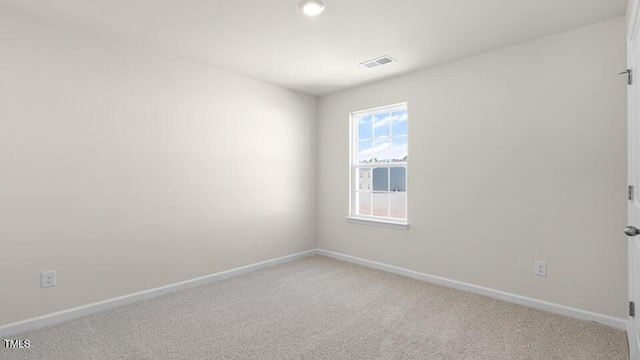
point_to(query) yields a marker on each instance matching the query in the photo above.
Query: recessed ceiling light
(312, 7)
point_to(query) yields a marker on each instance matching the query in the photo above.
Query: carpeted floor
(321, 308)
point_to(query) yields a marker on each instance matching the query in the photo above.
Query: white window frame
(354, 217)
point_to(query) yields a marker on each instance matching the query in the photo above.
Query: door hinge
(629, 73)
(630, 192)
(632, 309)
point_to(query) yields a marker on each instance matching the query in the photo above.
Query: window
(379, 152)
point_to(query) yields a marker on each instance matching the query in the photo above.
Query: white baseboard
(65, 315)
(517, 299)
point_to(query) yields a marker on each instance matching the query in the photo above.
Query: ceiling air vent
(377, 62)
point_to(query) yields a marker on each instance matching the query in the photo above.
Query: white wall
(515, 155)
(126, 169)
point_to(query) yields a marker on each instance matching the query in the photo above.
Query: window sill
(376, 222)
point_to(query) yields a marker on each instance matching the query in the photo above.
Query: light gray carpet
(320, 308)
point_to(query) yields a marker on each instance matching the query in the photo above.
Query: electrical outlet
(540, 268)
(306, 231)
(47, 279)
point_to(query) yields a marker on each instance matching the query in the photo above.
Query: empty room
(306, 179)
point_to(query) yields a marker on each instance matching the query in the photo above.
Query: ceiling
(271, 40)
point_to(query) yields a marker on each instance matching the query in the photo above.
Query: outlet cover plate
(540, 268)
(47, 279)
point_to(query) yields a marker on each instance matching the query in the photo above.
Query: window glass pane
(365, 127)
(398, 179)
(399, 148)
(380, 204)
(382, 125)
(398, 205)
(363, 199)
(364, 179)
(365, 151)
(380, 179)
(399, 122)
(381, 150)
